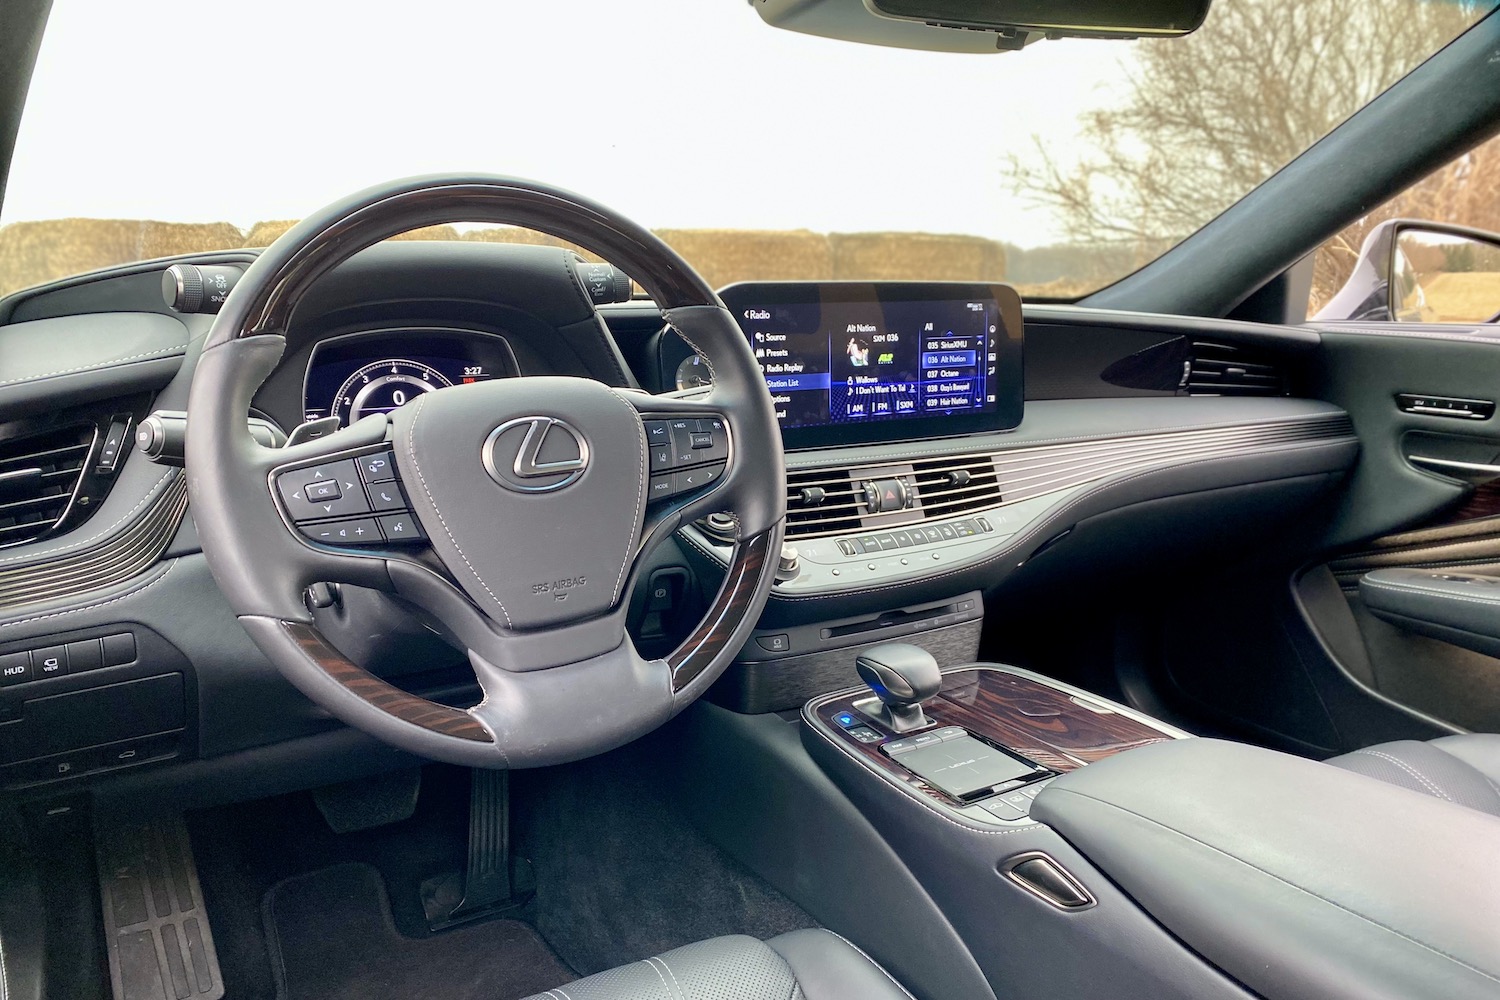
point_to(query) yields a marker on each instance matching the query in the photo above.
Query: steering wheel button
(660, 488)
(661, 458)
(379, 467)
(321, 491)
(682, 441)
(387, 496)
(693, 479)
(657, 434)
(355, 531)
(401, 528)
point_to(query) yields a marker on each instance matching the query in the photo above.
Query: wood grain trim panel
(746, 566)
(407, 707)
(1483, 502)
(1035, 720)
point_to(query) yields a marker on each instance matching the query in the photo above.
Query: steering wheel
(534, 495)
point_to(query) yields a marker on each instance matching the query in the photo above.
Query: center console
(979, 742)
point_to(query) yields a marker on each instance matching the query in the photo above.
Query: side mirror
(1421, 272)
(1444, 274)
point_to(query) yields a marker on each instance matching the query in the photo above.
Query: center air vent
(39, 479)
(822, 503)
(954, 486)
(1222, 370)
(834, 501)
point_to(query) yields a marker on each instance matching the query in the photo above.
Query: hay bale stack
(726, 255)
(916, 257)
(35, 252)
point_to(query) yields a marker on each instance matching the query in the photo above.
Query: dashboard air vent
(1223, 370)
(39, 479)
(822, 502)
(954, 486)
(832, 501)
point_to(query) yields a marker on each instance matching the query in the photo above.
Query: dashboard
(888, 533)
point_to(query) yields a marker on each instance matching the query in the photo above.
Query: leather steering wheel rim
(558, 684)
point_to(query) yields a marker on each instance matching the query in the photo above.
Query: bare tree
(1465, 191)
(1211, 116)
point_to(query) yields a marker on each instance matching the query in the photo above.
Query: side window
(1429, 255)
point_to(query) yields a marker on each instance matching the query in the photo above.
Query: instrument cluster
(377, 371)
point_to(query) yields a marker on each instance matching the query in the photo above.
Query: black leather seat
(1463, 769)
(802, 965)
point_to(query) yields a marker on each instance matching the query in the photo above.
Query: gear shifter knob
(902, 677)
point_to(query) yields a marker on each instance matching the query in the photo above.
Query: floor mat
(331, 937)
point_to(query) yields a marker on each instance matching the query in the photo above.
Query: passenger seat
(1464, 770)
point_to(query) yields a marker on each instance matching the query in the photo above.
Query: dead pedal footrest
(160, 945)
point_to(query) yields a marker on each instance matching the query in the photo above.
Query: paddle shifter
(902, 677)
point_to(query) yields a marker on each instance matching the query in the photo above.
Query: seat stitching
(652, 966)
(1409, 769)
(1272, 875)
(412, 454)
(680, 991)
(1487, 779)
(867, 958)
(562, 993)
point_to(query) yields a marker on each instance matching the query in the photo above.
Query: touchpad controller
(958, 764)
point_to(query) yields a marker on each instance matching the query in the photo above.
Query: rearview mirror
(1444, 274)
(981, 25)
(1054, 17)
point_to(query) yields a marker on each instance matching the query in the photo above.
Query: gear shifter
(902, 677)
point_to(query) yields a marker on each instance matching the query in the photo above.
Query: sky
(679, 113)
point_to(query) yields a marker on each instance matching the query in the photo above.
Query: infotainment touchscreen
(859, 362)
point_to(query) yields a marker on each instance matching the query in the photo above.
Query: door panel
(1420, 527)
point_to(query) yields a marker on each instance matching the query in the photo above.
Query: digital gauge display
(353, 377)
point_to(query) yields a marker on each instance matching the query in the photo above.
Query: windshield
(758, 153)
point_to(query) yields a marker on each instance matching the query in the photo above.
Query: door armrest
(1461, 608)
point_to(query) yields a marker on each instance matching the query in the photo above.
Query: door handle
(1474, 472)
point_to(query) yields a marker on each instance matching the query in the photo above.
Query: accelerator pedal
(492, 885)
(155, 924)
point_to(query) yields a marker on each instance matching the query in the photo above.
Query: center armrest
(1296, 878)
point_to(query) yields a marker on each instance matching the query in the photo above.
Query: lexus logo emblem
(535, 454)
